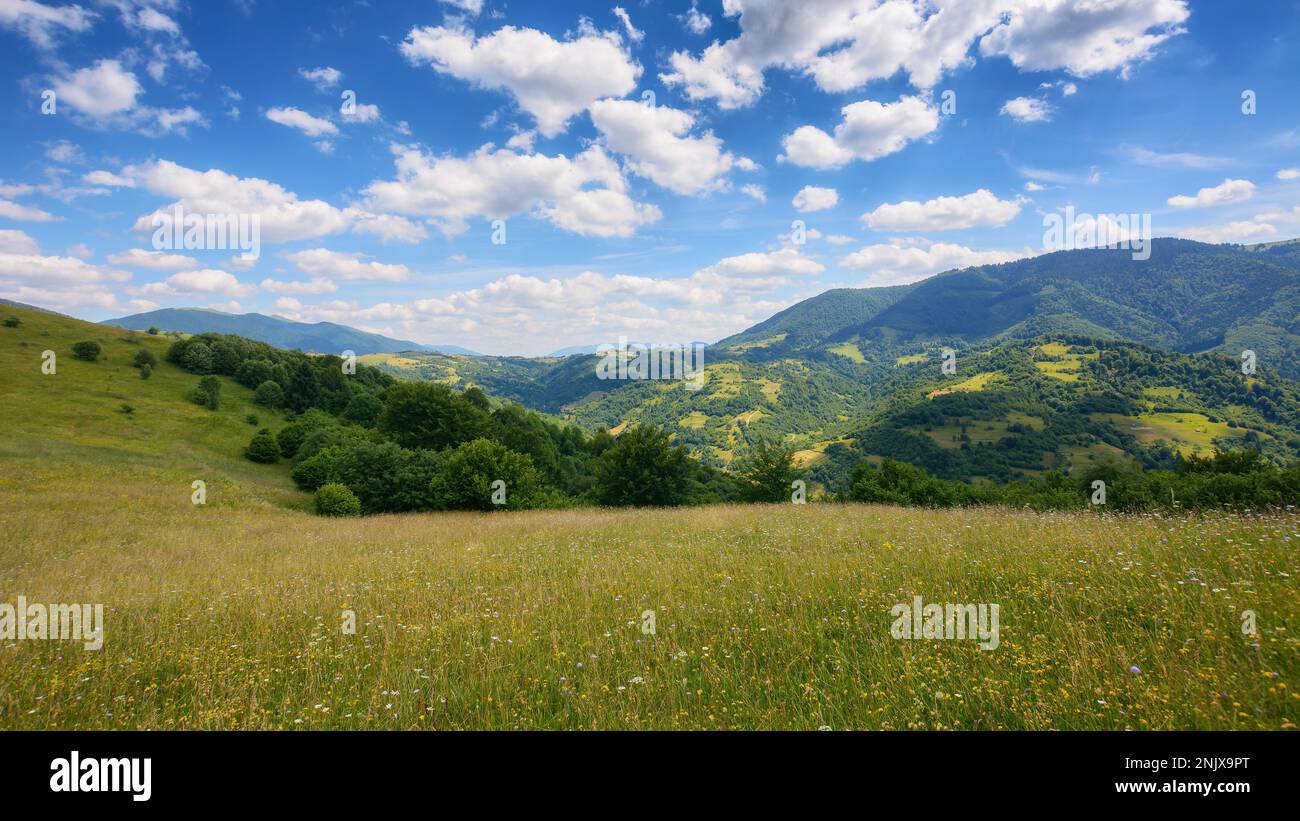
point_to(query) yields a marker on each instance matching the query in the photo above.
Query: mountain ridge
(315, 337)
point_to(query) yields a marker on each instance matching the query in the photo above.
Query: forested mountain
(1188, 297)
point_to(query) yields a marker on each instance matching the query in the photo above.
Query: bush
(335, 499)
(144, 358)
(207, 393)
(466, 482)
(319, 469)
(88, 350)
(386, 478)
(12, 322)
(197, 358)
(154, 330)
(292, 435)
(145, 371)
(270, 394)
(254, 421)
(263, 448)
(898, 483)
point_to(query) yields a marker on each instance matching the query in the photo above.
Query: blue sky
(908, 137)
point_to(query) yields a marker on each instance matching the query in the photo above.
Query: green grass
(848, 350)
(772, 617)
(1189, 432)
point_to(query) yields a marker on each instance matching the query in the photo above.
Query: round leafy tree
(486, 475)
(643, 468)
(263, 448)
(270, 394)
(335, 499)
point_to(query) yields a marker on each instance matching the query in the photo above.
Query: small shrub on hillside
(291, 436)
(144, 357)
(145, 371)
(207, 393)
(270, 394)
(254, 421)
(263, 449)
(12, 322)
(87, 350)
(320, 469)
(335, 499)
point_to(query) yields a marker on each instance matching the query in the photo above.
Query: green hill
(126, 435)
(1188, 297)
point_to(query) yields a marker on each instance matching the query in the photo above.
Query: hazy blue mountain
(319, 337)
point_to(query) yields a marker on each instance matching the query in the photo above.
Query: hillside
(126, 436)
(1188, 297)
(319, 337)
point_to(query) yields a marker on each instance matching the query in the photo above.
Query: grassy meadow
(229, 615)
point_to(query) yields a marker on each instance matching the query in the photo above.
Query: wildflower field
(231, 614)
(765, 617)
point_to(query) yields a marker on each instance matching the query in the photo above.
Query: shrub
(319, 469)
(254, 421)
(386, 478)
(12, 322)
(197, 358)
(291, 436)
(466, 482)
(88, 350)
(335, 499)
(145, 358)
(263, 448)
(899, 483)
(207, 393)
(154, 330)
(145, 371)
(270, 394)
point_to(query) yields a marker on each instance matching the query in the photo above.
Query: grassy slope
(75, 416)
(767, 617)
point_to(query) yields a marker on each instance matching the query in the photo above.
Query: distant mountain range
(1061, 359)
(319, 337)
